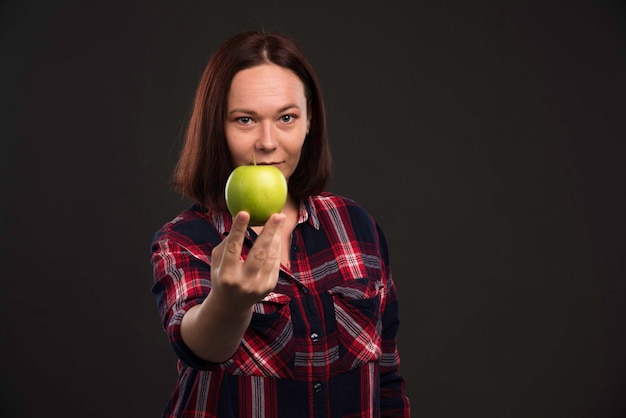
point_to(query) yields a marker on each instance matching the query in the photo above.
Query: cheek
(235, 155)
(295, 154)
(239, 150)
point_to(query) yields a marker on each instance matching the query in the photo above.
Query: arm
(394, 402)
(214, 328)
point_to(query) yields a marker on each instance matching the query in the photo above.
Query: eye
(244, 120)
(287, 118)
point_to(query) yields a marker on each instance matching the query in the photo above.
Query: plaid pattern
(322, 344)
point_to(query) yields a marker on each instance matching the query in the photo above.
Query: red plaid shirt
(322, 344)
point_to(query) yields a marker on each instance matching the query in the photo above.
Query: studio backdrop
(487, 138)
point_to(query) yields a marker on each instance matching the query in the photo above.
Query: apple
(260, 190)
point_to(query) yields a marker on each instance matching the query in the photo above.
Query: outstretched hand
(242, 283)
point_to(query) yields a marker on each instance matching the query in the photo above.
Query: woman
(296, 318)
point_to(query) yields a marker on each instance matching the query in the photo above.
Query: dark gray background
(487, 137)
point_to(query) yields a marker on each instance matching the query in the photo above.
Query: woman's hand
(213, 329)
(242, 283)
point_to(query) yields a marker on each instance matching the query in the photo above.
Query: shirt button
(305, 290)
(296, 248)
(317, 387)
(314, 337)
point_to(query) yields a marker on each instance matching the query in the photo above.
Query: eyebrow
(250, 112)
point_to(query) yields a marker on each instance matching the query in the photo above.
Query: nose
(267, 137)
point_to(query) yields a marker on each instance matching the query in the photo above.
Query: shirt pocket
(358, 320)
(267, 347)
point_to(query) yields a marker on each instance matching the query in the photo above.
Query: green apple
(260, 190)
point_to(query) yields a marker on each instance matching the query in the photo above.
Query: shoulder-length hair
(205, 162)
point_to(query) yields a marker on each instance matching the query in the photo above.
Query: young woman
(296, 318)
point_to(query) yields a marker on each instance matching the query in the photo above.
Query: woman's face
(267, 117)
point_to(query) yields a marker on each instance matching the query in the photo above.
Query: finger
(264, 255)
(234, 241)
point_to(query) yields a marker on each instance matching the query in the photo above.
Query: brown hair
(205, 162)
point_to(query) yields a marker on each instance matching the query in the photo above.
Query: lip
(269, 163)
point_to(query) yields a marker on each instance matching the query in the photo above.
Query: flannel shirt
(322, 344)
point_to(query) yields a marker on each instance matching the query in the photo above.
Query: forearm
(393, 400)
(213, 330)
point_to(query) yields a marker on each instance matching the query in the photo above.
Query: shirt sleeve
(393, 402)
(182, 276)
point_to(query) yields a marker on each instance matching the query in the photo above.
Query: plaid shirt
(322, 344)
